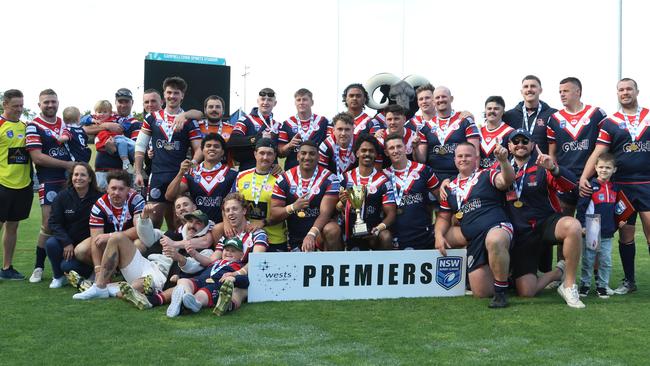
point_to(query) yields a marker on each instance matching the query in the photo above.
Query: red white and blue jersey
(105, 161)
(416, 123)
(379, 192)
(115, 219)
(209, 187)
(539, 190)
(632, 157)
(574, 136)
(327, 156)
(43, 135)
(288, 188)
(378, 123)
(412, 189)
(169, 147)
(490, 140)
(362, 123)
(602, 202)
(252, 124)
(443, 135)
(314, 129)
(409, 138)
(249, 241)
(483, 205)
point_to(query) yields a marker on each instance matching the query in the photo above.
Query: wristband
(311, 233)
(317, 229)
(289, 209)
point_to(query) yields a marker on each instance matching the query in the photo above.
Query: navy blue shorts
(158, 184)
(47, 192)
(477, 255)
(529, 246)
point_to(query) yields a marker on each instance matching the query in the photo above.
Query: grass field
(43, 326)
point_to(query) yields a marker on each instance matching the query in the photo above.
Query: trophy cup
(357, 197)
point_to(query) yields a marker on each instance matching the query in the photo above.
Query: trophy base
(360, 229)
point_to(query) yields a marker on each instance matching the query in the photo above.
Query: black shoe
(583, 291)
(11, 274)
(498, 301)
(602, 293)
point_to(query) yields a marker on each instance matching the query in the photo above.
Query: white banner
(356, 275)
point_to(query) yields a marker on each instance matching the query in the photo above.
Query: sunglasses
(267, 94)
(520, 141)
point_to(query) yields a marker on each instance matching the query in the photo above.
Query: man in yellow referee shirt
(15, 178)
(256, 185)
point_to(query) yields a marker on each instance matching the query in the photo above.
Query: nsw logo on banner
(449, 271)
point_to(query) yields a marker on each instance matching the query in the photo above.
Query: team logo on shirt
(10, 134)
(448, 271)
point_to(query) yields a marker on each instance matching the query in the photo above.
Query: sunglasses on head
(520, 141)
(267, 94)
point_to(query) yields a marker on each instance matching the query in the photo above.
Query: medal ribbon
(257, 193)
(312, 127)
(631, 128)
(441, 132)
(519, 187)
(394, 179)
(462, 193)
(340, 169)
(216, 269)
(525, 118)
(299, 190)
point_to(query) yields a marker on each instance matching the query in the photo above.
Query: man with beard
(531, 113)
(305, 125)
(306, 197)
(213, 108)
(52, 158)
(626, 135)
(534, 209)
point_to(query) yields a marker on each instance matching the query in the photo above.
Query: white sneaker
(37, 275)
(570, 295)
(174, 308)
(93, 292)
(190, 302)
(59, 282)
(128, 167)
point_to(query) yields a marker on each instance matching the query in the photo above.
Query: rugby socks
(40, 257)
(156, 299)
(500, 286)
(627, 252)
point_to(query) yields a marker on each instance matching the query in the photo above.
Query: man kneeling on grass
(204, 289)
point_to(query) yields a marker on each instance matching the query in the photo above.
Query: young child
(78, 140)
(602, 201)
(112, 142)
(216, 282)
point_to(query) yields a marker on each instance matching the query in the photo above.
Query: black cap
(265, 142)
(123, 93)
(520, 132)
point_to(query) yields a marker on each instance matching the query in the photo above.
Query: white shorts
(141, 267)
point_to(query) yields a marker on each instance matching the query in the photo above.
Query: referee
(15, 178)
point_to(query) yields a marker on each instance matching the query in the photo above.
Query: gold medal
(301, 214)
(518, 204)
(633, 147)
(459, 215)
(209, 280)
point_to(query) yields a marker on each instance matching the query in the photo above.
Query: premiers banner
(356, 275)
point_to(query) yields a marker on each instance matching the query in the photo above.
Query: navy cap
(520, 132)
(123, 93)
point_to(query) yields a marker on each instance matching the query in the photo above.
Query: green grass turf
(43, 326)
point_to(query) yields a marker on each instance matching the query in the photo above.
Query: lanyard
(519, 187)
(299, 191)
(304, 136)
(462, 193)
(271, 126)
(525, 118)
(441, 132)
(394, 179)
(340, 167)
(118, 225)
(631, 128)
(257, 193)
